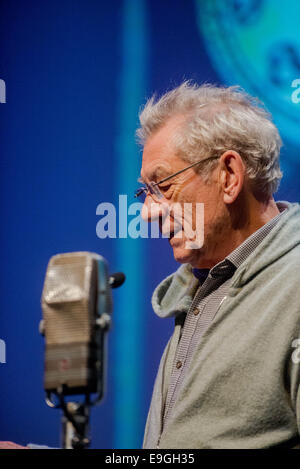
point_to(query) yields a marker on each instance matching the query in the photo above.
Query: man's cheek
(193, 225)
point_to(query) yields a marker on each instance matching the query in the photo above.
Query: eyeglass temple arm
(184, 169)
(140, 191)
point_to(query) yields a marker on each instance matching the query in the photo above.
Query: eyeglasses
(152, 188)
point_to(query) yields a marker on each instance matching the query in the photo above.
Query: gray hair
(219, 119)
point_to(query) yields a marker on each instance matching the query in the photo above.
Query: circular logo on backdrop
(256, 44)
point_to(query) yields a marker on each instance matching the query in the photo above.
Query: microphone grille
(69, 297)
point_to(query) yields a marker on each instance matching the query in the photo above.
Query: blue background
(76, 74)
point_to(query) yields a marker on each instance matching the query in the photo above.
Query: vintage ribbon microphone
(77, 308)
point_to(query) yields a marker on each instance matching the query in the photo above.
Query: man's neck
(250, 219)
(258, 215)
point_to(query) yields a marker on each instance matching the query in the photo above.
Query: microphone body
(77, 305)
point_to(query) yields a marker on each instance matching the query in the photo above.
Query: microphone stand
(75, 425)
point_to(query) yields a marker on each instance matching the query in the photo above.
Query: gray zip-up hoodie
(242, 388)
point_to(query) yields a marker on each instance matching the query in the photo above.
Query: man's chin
(181, 253)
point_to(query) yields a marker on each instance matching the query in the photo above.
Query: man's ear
(232, 175)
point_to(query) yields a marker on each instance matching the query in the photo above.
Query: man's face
(160, 161)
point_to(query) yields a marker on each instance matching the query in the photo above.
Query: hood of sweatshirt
(174, 295)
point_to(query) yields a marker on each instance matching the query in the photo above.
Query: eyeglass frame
(147, 187)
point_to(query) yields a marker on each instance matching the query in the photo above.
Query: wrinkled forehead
(157, 167)
(155, 171)
(159, 155)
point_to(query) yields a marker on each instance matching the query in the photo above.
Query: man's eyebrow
(158, 173)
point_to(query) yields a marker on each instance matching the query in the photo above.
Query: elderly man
(229, 375)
